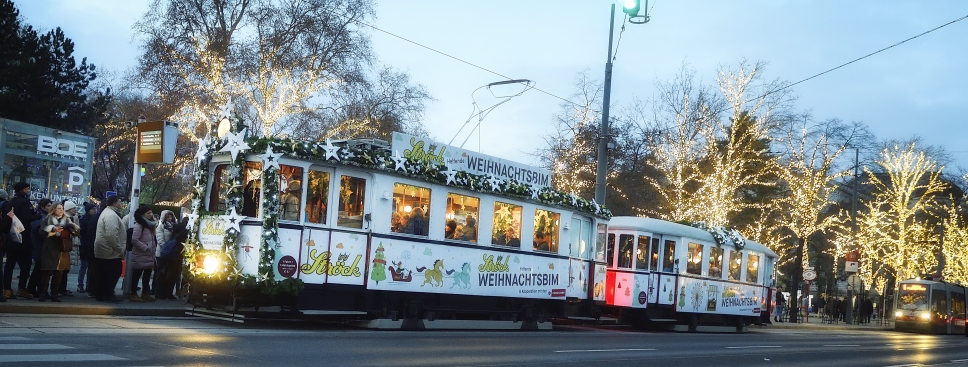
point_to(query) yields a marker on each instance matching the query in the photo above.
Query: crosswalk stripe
(58, 358)
(12, 338)
(33, 346)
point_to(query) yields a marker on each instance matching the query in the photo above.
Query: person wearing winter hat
(70, 209)
(19, 254)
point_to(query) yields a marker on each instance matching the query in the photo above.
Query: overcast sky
(917, 88)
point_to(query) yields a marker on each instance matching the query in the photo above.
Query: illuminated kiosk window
(352, 191)
(546, 230)
(668, 256)
(716, 262)
(410, 210)
(642, 253)
(462, 214)
(694, 259)
(735, 264)
(753, 268)
(317, 198)
(290, 192)
(507, 225)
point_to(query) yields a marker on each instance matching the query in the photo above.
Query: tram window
(410, 209)
(576, 244)
(735, 260)
(716, 262)
(600, 242)
(669, 256)
(654, 260)
(290, 192)
(957, 305)
(251, 189)
(753, 268)
(694, 259)
(463, 211)
(352, 191)
(642, 254)
(546, 230)
(220, 188)
(585, 246)
(610, 250)
(317, 198)
(506, 225)
(626, 244)
(939, 303)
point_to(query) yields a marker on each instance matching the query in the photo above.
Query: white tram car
(666, 272)
(929, 306)
(335, 226)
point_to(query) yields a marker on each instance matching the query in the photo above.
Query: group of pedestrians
(39, 241)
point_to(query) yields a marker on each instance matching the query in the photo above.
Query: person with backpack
(18, 253)
(170, 263)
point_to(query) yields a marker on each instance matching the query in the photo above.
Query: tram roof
(653, 225)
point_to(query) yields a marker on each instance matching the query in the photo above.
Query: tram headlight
(210, 265)
(898, 314)
(925, 316)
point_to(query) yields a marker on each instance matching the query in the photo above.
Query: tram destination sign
(459, 159)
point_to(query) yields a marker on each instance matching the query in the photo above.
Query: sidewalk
(816, 323)
(81, 304)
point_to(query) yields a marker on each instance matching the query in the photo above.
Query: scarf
(151, 224)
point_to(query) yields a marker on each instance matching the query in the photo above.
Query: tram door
(315, 252)
(349, 242)
(957, 310)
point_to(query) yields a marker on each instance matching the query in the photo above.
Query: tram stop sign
(809, 274)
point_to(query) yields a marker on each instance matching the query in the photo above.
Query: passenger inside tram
(450, 230)
(468, 232)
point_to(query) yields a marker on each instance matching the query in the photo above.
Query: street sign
(809, 275)
(855, 282)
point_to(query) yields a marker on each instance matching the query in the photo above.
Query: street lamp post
(632, 8)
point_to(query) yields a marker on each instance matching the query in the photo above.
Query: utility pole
(603, 135)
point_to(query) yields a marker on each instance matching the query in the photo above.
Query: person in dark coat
(37, 246)
(59, 227)
(20, 253)
(88, 232)
(169, 267)
(867, 309)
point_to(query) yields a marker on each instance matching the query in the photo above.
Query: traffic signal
(631, 7)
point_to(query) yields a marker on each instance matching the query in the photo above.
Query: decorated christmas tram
(670, 273)
(407, 232)
(929, 306)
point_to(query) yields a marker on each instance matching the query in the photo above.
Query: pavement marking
(605, 350)
(841, 345)
(906, 365)
(959, 361)
(33, 346)
(58, 358)
(12, 338)
(755, 346)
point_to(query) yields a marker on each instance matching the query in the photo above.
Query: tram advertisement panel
(338, 259)
(714, 296)
(421, 267)
(627, 289)
(212, 233)
(250, 247)
(287, 253)
(600, 278)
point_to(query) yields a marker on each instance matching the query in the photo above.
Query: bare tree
(283, 62)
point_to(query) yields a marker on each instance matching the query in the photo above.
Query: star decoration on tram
(451, 176)
(191, 220)
(232, 220)
(201, 153)
(235, 143)
(270, 159)
(495, 183)
(226, 110)
(534, 194)
(399, 163)
(331, 150)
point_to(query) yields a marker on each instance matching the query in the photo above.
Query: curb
(38, 308)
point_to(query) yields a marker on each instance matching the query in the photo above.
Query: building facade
(57, 164)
